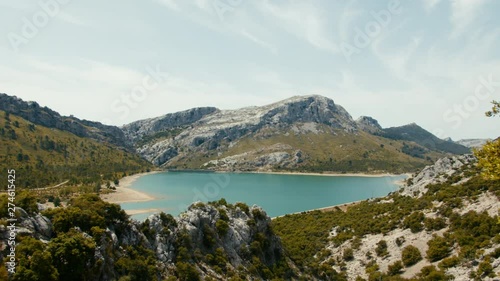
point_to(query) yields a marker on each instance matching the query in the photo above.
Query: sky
(432, 62)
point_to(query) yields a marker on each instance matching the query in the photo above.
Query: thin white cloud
(429, 5)
(348, 16)
(304, 20)
(21, 5)
(72, 19)
(220, 17)
(171, 4)
(463, 14)
(259, 41)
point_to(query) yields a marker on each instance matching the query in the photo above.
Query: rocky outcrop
(436, 173)
(368, 124)
(262, 159)
(136, 130)
(208, 129)
(473, 143)
(236, 234)
(34, 225)
(45, 116)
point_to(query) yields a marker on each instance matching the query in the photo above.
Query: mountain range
(302, 133)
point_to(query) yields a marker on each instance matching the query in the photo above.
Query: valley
(440, 225)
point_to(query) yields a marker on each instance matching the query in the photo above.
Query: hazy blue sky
(436, 63)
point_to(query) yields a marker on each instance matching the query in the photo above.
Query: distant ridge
(415, 133)
(47, 117)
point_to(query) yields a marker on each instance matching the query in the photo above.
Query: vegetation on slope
(489, 160)
(81, 247)
(329, 150)
(44, 156)
(95, 240)
(44, 116)
(422, 137)
(306, 235)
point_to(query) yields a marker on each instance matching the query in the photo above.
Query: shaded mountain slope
(33, 112)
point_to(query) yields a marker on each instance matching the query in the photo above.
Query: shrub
(434, 224)
(72, 253)
(57, 202)
(431, 273)
(400, 241)
(348, 254)
(414, 222)
(186, 271)
(356, 243)
(395, 268)
(223, 214)
(381, 249)
(244, 207)
(222, 227)
(449, 262)
(438, 249)
(258, 214)
(485, 269)
(410, 255)
(27, 201)
(208, 236)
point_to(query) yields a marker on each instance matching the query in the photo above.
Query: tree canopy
(489, 155)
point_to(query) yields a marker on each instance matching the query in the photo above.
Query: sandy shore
(124, 194)
(328, 174)
(142, 211)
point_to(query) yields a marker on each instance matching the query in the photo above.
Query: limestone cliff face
(284, 135)
(368, 124)
(436, 173)
(136, 130)
(207, 129)
(236, 235)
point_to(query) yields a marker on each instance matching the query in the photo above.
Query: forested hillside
(45, 156)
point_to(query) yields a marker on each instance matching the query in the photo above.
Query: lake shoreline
(125, 194)
(343, 207)
(326, 174)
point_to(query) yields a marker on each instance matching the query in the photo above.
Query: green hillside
(328, 150)
(461, 237)
(417, 134)
(45, 156)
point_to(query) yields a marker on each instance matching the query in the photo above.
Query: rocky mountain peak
(138, 129)
(368, 124)
(314, 108)
(207, 129)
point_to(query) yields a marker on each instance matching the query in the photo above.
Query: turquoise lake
(276, 194)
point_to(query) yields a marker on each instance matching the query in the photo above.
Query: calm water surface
(277, 194)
